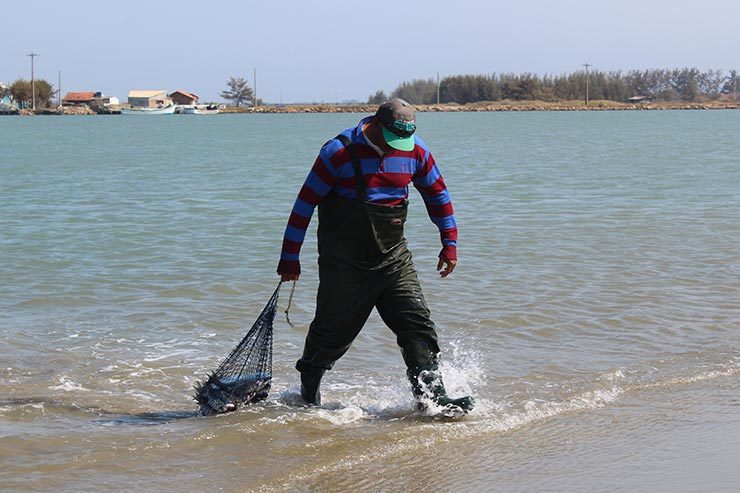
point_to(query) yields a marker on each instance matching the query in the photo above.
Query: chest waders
(364, 263)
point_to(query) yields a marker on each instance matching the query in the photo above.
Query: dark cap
(399, 123)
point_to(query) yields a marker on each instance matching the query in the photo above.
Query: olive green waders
(364, 263)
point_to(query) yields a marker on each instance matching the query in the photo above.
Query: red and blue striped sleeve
(320, 180)
(430, 184)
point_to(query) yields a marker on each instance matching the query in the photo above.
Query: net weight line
(290, 302)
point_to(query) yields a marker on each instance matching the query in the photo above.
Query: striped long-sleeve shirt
(386, 179)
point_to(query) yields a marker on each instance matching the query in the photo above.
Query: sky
(334, 51)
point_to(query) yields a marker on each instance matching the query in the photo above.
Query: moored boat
(164, 110)
(210, 109)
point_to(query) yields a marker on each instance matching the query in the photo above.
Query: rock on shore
(75, 110)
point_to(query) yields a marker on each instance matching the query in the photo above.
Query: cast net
(245, 375)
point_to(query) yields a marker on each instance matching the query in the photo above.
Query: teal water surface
(594, 314)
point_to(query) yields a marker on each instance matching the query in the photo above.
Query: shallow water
(595, 312)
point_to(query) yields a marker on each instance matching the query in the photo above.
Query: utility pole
(255, 87)
(59, 89)
(33, 82)
(587, 65)
(437, 87)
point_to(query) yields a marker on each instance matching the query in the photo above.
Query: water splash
(67, 385)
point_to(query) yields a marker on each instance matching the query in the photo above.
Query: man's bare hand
(446, 266)
(289, 277)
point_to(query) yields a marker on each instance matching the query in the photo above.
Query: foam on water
(488, 418)
(347, 409)
(68, 385)
(369, 397)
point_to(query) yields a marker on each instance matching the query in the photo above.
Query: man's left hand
(446, 266)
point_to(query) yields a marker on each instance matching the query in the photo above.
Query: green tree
(238, 91)
(377, 98)
(731, 84)
(44, 93)
(510, 88)
(530, 86)
(418, 91)
(687, 83)
(20, 90)
(710, 83)
(616, 87)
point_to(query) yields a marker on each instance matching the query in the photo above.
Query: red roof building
(73, 98)
(185, 98)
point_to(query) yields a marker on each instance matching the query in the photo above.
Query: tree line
(687, 84)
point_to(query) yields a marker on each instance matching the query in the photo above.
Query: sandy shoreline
(483, 106)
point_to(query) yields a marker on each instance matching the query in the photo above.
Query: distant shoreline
(488, 106)
(484, 106)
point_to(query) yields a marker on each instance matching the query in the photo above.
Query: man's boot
(310, 381)
(427, 386)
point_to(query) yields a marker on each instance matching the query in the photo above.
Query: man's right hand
(289, 277)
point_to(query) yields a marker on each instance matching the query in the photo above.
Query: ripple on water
(598, 270)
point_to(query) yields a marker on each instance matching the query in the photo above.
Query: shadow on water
(145, 419)
(99, 416)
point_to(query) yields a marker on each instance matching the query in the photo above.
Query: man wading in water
(360, 183)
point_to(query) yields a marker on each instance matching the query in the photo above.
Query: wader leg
(310, 381)
(345, 299)
(403, 308)
(427, 386)
(404, 311)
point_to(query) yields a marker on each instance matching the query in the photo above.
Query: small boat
(210, 109)
(8, 110)
(164, 110)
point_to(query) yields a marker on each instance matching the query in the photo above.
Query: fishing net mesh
(245, 375)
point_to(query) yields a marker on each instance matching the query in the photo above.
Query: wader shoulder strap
(356, 165)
